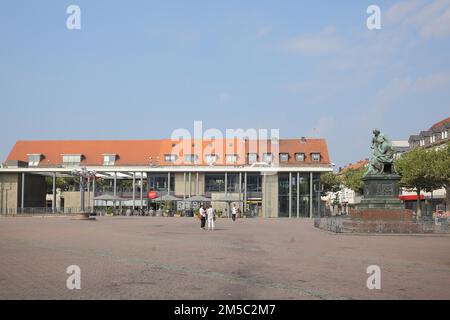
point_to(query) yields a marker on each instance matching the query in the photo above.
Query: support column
(89, 190)
(226, 194)
(197, 189)
(298, 195)
(168, 183)
(134, 191)
(54, 193)
(240, 191)
(290, 194)
(245, 193)
(81, 194)
(142, 191)
(115, 188)
(93, 193)
(265, 194)
(184, 186)
(190, 184)
(311, 207)
(22, 201)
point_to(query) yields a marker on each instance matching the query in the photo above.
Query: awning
(167, 197)
(198, 199)
(109, 197)
(411, 197)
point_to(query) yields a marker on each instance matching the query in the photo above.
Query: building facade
(265, 178)
(435, 137)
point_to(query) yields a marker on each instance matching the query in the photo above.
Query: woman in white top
(211, 217)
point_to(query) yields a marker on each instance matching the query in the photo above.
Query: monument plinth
(381, 192)
(381, 186)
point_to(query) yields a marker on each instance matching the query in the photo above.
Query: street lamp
(84, 175)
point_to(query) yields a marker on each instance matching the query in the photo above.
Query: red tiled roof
(355, 166)
(138, 152)
(440, 123)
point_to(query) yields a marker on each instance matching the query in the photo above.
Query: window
(422, 142)
(232, 158)
(34, 159)
(170, 158)
(432, 139)
(252, 157)
(71, 159)
(300, 157)
(444, 134)
(190, 158)
(316, 157)
(284, 157)
(214, 182)
(267, 157)
(211, 158)
(109, 159)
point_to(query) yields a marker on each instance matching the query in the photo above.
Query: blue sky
(141, 69)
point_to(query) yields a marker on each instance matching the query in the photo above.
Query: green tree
(330, 182)
(352, 179)
(441, 170)
(419, 171)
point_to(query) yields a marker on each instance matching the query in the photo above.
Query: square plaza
(172, 258)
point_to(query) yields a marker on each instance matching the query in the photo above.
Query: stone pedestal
(381, 210)
(381, 192)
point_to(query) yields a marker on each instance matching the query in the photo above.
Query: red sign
(152, 194)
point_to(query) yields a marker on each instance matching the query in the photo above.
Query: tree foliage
(419, 170)
(424, 170)
(330, 182)
(352, 179)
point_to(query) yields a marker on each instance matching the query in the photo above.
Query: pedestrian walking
(211, 218)
(233, 213)
(202, 214)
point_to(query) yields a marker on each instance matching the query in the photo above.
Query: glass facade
(283, 195)
(316, 196)
(300, 183)
(254, 182)
(215, 182)
(158, 182)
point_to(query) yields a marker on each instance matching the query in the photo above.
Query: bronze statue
(382, 161)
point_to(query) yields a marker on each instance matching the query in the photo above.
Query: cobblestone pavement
(172, 258)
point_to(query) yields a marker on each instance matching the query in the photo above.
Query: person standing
(211, 218)
(233, 213)
(202, 217)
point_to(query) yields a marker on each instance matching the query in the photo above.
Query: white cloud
(431, 19)
(323, 42)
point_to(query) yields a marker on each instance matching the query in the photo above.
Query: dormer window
(267, 157)
(284, 157)
(71, 159)
(109, 159)
(252, 158)
(211, 158)
(170, 157)
(300, 157)
(34, 159)
(231, 158)
(190, 158)
(315, 157)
